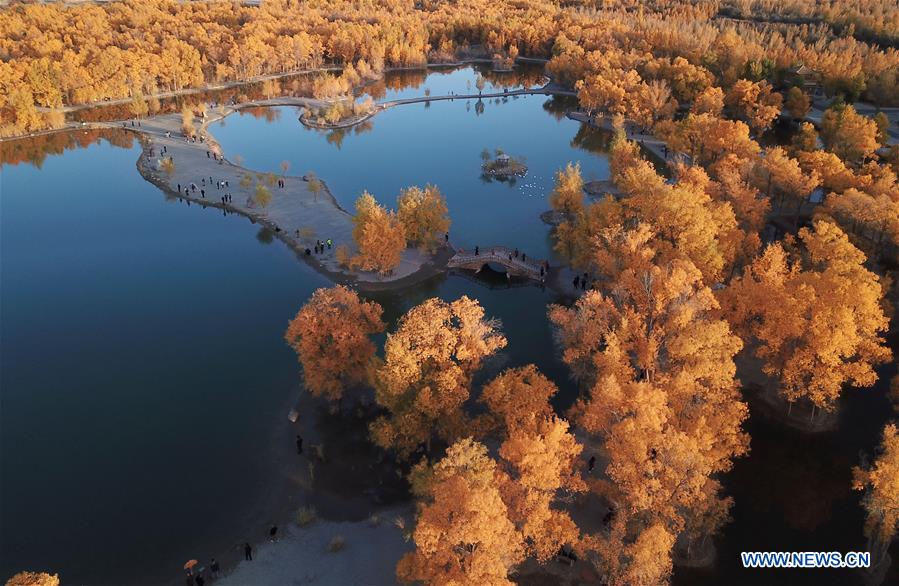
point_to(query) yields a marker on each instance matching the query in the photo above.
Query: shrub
(263, 196)
(306, 516)
(336, 544)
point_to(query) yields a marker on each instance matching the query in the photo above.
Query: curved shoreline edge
(426, 271)
(72, 125)
(160, 130)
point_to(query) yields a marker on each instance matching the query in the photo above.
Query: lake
(438, 143)
(144, 375)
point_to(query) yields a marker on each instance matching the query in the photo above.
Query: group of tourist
(202, 574)
(219, 185)
(543, 265)
(319, 246)
(583, 282)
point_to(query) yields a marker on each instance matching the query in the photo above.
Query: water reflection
(35, 150)
(167, 323)
(441, 145)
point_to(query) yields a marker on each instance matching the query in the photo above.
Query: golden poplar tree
(463, 533)
(755, 102)
(849, 135)
(518, 397)
(424, 216)
(709, 101)
(797, 103)
(663, 398)
(781, 175)
(567, 196)
(331, 335)
(426, 375)
(540, 459)
(379, 236)
(34, 579)
(880, 482)
(815, 313)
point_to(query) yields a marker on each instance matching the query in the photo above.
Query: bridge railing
(500, 255)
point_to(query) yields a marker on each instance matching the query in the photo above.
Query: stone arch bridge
(515, 266)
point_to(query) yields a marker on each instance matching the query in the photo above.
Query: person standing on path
(299, 445)
(329, 244)
(248, 552)
(214, 568)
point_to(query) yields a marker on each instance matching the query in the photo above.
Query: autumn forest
(741, 260)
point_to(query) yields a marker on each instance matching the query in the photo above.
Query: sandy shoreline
(287, 485)
(371, 552)
(302, 555)
(297, 215)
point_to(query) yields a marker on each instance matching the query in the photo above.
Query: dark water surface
(143, 367)
(438, 143)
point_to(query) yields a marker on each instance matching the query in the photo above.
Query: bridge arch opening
(494, 267)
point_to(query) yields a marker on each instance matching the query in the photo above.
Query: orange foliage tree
(848, 134)
(871, 220)
(379, 235)
(518, 397)
(331, 336)
(33, 579)
(709, 101)
(463, 534)
(539, 456)
(540, 459)
(815, 315)
(426, 375)
(567, 196)
(755, 102)
(880, 481)
(424, 216)
(781, 175)
(687, 221)
(797, 103)
(663, 399)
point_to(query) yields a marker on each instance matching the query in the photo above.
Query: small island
(338, 114)
(502, 165)
(601, 189)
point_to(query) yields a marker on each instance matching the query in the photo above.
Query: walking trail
(294, 207)
(296, 214)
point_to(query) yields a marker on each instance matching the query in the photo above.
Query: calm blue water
(443, 81)
(440, 143)
(141, 367)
